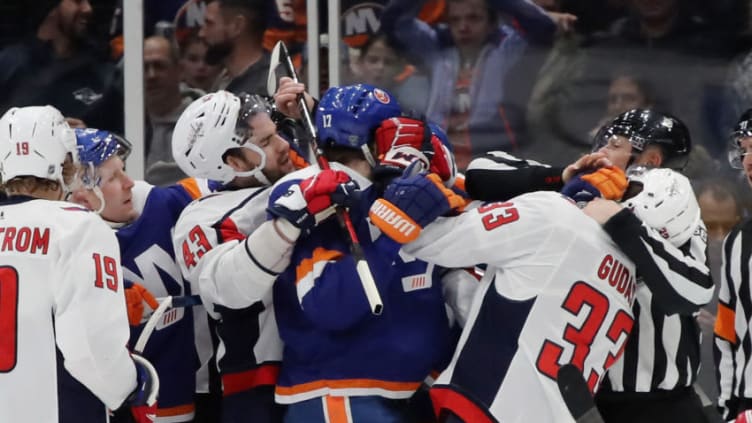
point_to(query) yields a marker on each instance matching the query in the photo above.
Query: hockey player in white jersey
(226, 251)
(63, 323)
(556, 291)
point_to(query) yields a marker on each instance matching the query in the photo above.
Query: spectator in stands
(379, 63)
(60, 65)
(468, 61)
(626, 92)
(197, 73)
(234, 30)
(164, 101)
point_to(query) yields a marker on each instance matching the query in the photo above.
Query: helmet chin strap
(258, 171)
(100, 196)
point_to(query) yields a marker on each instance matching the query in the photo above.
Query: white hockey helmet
(666, 203)
(35, 141)
(208, 128)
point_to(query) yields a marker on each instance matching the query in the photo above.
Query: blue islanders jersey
(148, 259)
(333, 345)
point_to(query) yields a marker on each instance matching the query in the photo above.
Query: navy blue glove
(411, 202)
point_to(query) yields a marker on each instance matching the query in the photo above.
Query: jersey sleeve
(475, 236)
(725, 337)
(237, 274)
(679, 279)
(91, 325)
(227, 267)
(499, 176)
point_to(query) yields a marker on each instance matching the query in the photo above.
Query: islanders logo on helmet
(381, 95)
(347, 116)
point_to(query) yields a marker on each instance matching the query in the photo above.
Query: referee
(733, 327)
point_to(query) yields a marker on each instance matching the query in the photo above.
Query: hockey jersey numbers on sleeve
(199, 245)
(505, 213)
(105, 270)
(8, 317)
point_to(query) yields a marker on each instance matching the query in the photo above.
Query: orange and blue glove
(411, 202)
(607, 182)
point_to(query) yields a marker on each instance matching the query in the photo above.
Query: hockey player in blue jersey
(143, 228)
(341, 362)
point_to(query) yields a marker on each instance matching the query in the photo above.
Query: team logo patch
(381, 95)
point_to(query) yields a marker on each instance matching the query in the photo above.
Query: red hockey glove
(312, 200)
(410, 203)
(401, 140)
(143, 400)
(135, 298)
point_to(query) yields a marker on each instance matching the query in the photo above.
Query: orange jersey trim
(191, 186)
(319, 254)
(335, 409)
(724, 323)
(347, 383)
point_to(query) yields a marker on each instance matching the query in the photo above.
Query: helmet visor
(736, 151)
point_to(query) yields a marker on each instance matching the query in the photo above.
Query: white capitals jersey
(556, 291)
(209, 242)
(61, 305)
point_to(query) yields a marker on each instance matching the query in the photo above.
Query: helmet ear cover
(666, 203)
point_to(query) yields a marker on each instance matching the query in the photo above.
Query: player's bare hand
(286, 97)
(585, 164)
(601, 210)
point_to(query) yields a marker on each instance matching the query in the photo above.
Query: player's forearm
(680, 283)
(499, 177)
(239, 274)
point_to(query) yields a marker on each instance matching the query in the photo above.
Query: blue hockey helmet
(96, 146)
(347, 116)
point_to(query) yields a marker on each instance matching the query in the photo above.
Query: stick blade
(577, 395)
(272, 78)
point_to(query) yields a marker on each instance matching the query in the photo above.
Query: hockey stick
(280, 55)
(164, 304)
(576, 395)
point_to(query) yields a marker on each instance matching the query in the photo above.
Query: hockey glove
(410, 203)
(143, 400)
(394, 137)
(606, 182)
(313, 199)
(135, 298)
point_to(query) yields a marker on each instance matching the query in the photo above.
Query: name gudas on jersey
(24, 239)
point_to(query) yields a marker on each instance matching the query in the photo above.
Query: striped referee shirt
(663, 351)
(733, 326)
